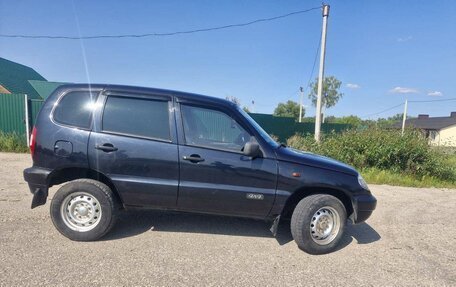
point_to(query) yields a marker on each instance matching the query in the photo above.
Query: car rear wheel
(84, 210)
(317, 223)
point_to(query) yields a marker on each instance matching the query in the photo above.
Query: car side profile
(119, 147)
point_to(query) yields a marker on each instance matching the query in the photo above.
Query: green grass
(11, 142)
(377, 176)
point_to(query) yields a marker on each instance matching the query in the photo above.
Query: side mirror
(252, 149)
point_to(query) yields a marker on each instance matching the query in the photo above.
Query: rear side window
(75, 109)
(138, 117)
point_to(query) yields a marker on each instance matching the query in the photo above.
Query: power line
(314, 63)
(160, 34)
(384, 111)
(431, 101)
(425, 101)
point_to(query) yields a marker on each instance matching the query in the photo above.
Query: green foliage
(288, 109)
(12, 142)
(382, 149)
(354, 121)
(331, 94)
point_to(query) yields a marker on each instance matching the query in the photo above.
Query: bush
(12, 142)
(382, 149)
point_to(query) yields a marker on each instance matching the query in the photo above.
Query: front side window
(75, 109)
(137, 117)
(213, 129)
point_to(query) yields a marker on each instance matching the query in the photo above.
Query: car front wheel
(317, 223)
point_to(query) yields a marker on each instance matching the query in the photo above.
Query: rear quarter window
(75, 109)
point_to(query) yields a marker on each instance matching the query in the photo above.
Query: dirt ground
(409, 240)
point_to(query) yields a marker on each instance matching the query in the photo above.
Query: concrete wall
(445, 137)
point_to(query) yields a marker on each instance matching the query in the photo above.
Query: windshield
(259, 129)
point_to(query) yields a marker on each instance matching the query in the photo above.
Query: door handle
(107, 147)
(193, 158)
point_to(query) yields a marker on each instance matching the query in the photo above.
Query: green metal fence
(12, 113)
(12, 119)
(285, 127)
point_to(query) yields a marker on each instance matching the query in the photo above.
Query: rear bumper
(363, 206)
(37, 179)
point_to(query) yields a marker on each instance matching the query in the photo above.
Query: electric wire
(160, 34)
(431, 101)
(383, 111)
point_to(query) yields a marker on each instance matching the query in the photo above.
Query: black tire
(302, 218)
(100, 192)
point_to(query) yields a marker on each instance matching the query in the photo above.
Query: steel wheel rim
(325, 225)
(81, 211)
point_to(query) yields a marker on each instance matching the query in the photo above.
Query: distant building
(14, 79)
(441, 131)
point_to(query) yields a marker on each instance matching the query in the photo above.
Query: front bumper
(363, 206)
(37, 179)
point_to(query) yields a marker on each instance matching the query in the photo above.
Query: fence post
(27, 120)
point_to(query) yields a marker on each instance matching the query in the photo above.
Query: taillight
(33, 141)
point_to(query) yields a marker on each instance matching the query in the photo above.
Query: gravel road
(409, 240)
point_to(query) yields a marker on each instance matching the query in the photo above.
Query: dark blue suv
(119, 147)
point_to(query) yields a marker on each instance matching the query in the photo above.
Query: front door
(215, 176)
(133, 143)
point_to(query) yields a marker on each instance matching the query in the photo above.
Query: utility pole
(404, 116)
(300, 103)
(321, 72)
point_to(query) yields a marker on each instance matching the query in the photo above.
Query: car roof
(148, 91)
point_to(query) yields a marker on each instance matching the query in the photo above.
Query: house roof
(44, 88)
(15, 78)
(429, 123)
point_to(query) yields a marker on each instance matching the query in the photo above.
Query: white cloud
(404, 39)
(353, 86)
(402, 90)
(435, 94)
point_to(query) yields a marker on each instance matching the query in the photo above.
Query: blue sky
(382, 51)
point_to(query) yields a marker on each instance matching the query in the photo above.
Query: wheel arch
(303, 192)
(72, 173)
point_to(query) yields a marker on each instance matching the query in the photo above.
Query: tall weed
(12, 142)
(382, 149)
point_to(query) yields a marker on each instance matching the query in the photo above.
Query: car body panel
(225, 182)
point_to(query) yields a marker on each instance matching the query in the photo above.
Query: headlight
(362, 182)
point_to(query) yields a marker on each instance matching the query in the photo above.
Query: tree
(246, 109)
(237, 102)
(355, 121)
(288, 109)
(234, 100)
(390, 121)
(330, 95)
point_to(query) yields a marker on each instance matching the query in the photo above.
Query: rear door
(134, 144)
(215, 176)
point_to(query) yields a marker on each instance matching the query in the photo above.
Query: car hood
(315, 160)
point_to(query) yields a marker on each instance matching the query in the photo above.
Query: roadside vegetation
(382, 156)
(385, 157)
(12, 142)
